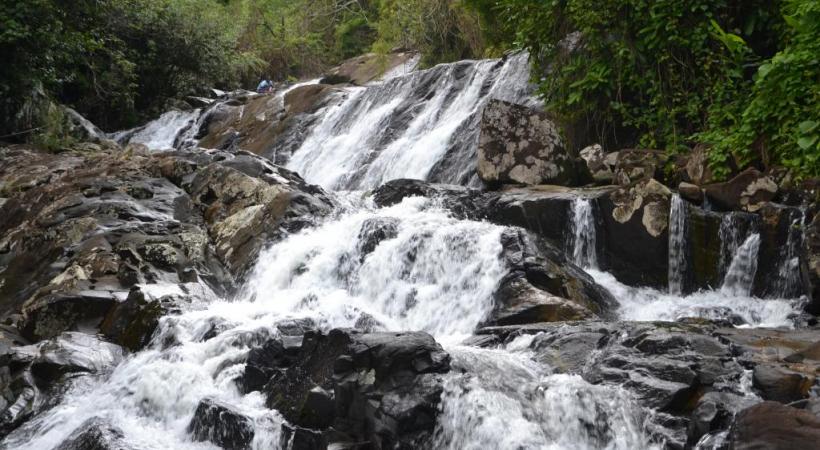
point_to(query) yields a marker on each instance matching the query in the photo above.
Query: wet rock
(363, 69)
(634, 233)
(747, 191)
(299, 438)
(543, 286)
(221, 424)
(374, 231)
(714, 413)
(132, 323)
(74, 352)
(780, 384)
(383, 387)
(771, 425)
(463, 202)
(521, 145)
(96, 434)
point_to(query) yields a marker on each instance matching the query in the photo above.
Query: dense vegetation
(740, 76)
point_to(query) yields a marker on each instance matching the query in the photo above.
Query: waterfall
(730, 240)
(741, 273)
(421, 125)
(787, 283)
(677, 244)
(583, 234)
(163, 133)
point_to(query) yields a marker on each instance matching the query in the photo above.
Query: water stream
(677, 244)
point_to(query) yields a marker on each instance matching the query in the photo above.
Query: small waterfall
(741, 273)
(677, 244)
(163, 133)
(730, 240)
(788, 274)
(583, 234)
(421, 125)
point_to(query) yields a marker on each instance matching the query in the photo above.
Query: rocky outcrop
(637, 165)
(748, 191)
(29, 373)
(774, 426)
(543, 286)
(376, 388)
(370, 67)
(96, 434)
(81, 229)
(600, 165)
(219, 423)
(271, 125)
(521, 145)
(691, 374)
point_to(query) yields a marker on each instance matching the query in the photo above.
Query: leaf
(807, 126)
(806, 142)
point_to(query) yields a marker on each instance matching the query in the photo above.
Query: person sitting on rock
(264, 86)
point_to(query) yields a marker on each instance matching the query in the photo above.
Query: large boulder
(543, 286)
(221, 424)
(521, 145)
(771, 425)
(747, 191)
(96, 434)
(379, 388)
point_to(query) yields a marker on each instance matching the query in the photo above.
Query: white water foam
(162, 133)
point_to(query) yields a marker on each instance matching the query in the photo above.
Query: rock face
(542, 286)
(369, 67)
(747, 191)
(345, 386)
(774, 426)
(82, 229)
(219, 423)
(691, 374)
(521, 145)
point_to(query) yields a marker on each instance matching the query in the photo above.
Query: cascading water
(677, 243)
(162, 133)
(422, 125)
(788, 273)
(741, 273)
(730, 240)
(583, 234)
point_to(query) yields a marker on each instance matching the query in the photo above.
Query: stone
(96, 434)
(747, 191)
(384, 388)
(374, 231)
(598, 164)
(771, 425)
(697, 166)
(363, 69)
(521, 145)
(132, 322)
(636, 165)
(780, 384)
(690, 192)
(222, 425)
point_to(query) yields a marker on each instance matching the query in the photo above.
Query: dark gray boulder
(217, 422)
(96, 434)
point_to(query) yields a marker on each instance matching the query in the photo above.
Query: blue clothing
(264, 85)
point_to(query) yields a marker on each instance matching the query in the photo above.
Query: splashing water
(504, 400)
(583, 234)
(677, 243)
(162, 133)
(434, 273)
(421, 125)
(741, 273)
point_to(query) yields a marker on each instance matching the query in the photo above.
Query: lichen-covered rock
(600, 165)
(521, 145)
(635, 165)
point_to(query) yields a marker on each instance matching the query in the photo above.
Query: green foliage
(669, 74)
(777, 120)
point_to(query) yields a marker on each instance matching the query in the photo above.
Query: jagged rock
(132, 322)
(219, 423)
(747, 191)
(374, 231)
(383, 387)
(599, 164)
(714, 413)
(299, 438)
(96, 434)
(774, 426)
(521, 145)
(635, 165)
(543, 286)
